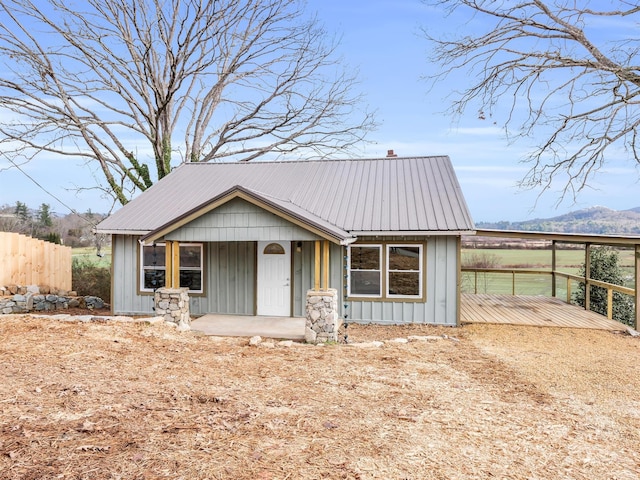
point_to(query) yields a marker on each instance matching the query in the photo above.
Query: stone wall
(26, 299)
(322, 316)
(173, 305)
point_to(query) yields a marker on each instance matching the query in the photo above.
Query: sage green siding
(303, 273)
(230, 272)
(229, 279)
(441, 303)
(239, 220)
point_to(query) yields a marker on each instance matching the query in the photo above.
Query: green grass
(88, 254)
(567, 261)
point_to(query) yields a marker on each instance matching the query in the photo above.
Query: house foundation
(173, 305)
(323, 320)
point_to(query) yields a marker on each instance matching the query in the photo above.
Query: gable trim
(271, 205)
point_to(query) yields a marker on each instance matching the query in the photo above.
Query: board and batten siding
(441, 304)
(239, 220)
(303, 273)
(229, 279)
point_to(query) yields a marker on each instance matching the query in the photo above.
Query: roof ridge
(317, 160)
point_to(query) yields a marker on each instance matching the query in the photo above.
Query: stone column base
(173, 305)
(322, 316)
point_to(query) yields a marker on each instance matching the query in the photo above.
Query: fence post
(610, 303)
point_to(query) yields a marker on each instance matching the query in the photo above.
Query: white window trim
(163, 267)
(149, 267)
(419, 271)
(349, 271)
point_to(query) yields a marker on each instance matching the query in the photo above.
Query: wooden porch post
(325, 265)
(168, 259)
(176, 265)
(316, 275)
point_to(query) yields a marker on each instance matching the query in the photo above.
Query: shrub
(480, 260)
(605, 267)
(90, 279)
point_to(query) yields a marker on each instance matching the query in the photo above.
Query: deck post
(637, 269)
(553, 268)
(587, 276)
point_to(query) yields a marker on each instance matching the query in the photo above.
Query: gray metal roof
(379, 196)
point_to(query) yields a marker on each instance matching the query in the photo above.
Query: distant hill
(598, 220)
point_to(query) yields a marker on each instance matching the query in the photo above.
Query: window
(154, 267)
(404, 277)
(365, 271)
(273, 249)
(385, 271)
(191, 266)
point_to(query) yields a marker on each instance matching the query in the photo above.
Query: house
(253, 238)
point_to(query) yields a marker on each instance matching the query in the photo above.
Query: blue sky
(381, 38)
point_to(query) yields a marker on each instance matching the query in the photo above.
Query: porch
(289, 328)
(535, 311)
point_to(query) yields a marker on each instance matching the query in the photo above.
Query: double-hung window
(153, 271)
(153, 267)
(404, 272)
(393, 271)
(365, 275)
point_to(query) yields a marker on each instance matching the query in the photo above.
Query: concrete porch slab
(289, 328)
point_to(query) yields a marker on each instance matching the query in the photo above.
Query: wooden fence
(28, 261)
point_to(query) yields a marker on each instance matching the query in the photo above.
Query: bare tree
(561, 79)
(132, 85)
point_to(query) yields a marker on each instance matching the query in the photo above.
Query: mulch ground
(137, 401)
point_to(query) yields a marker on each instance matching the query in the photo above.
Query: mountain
(597, 220)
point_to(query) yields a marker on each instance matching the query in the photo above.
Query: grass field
(89, 254)
(567, 261)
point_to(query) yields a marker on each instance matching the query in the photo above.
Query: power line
(72, 210)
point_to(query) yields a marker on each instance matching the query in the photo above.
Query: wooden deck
(530, 310)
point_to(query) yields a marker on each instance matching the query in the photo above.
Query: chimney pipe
(390, 154)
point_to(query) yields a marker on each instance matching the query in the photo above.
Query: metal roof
(381, 196)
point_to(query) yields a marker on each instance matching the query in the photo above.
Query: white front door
(274, 279)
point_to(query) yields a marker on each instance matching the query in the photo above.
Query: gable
(239, 220)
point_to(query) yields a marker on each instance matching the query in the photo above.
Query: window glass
(404, 272)
(190, 256)
(191, 266)
(364, 270)
(153, 267)
(274, 249)
(365, 258)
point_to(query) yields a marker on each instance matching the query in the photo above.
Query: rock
(374, 344)
(424, 338)
(399, 340)
(268, 345)
(255, 341)
(310, 336)
(285, 343)
(35, 289)
(74, 303)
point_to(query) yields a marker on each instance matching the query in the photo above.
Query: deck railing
(550, 290)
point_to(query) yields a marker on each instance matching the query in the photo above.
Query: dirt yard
(132, 401)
